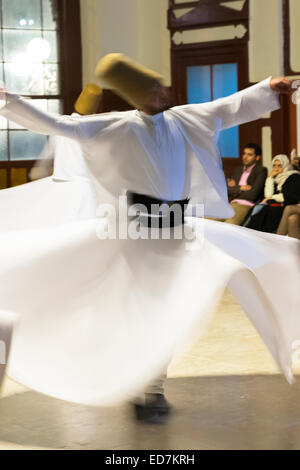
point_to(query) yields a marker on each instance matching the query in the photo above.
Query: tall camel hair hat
(89, 100)
(130, 80)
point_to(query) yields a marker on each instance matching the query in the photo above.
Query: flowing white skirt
(46, 202)
(98, 319)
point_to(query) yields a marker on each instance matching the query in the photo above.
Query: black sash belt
(158, 213)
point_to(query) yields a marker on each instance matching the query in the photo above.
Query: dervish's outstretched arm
(245, 106)
(21, 111)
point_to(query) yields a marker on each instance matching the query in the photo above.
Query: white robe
(65, 196)
(99, 318)
(169, 156)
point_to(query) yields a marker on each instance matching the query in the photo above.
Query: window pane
(225, 83)
(28, 66)
(31, 44)
(17, 42)
(3, 146)
(225, 80)
(25, 145)
(48, 22)
(229, 143)
(51, 79)
(51, 38)
(199, 85)
(25, 14)
(3, 121)
(22, 79)
(1, 75)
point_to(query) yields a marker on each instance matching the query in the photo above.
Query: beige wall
(138, 28)
(134, 27)
(154, 43)
(266, 39)
(295, 33)
(90, 37)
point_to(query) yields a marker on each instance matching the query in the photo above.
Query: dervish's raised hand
(282, 85)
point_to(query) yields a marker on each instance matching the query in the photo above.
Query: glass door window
(211, 82)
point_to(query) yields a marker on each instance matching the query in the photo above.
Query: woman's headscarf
(287, 170)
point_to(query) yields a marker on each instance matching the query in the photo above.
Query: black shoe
(154, 411)
(159, 402)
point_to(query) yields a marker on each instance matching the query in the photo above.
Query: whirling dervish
(95, 318)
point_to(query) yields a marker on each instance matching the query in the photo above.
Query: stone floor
(226, 393)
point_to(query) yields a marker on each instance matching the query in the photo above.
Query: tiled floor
(226, 394)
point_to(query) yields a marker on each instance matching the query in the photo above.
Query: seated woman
(290, 222)
(266, 216)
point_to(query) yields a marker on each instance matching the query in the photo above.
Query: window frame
(70, 71)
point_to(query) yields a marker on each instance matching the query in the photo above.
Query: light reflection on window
(29, 66)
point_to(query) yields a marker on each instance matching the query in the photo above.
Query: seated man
(247, 186)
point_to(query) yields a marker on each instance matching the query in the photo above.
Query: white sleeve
(22, 112)
(269, 187)
(48, 150)
(245, 106)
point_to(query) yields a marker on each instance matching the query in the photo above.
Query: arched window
(40, 57)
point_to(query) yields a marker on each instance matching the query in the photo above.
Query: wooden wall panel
(3, 178)
(18, 176)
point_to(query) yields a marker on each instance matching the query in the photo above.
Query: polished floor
(226, 393)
